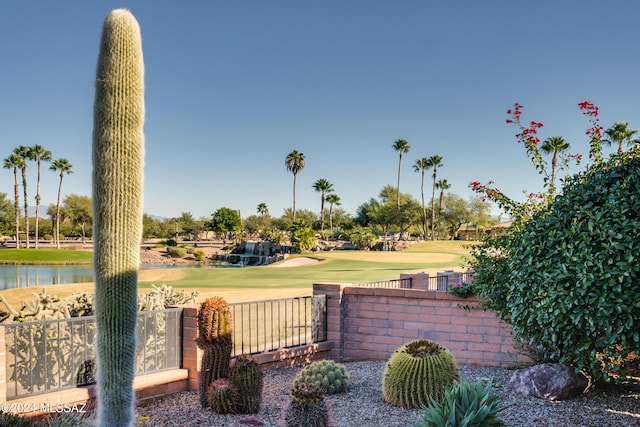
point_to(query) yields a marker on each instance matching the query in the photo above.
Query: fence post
(418, 280)
(335, 316)
(191, 354)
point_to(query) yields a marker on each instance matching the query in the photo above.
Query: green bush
(190, 249)
(199, 255)
(176, 251)
(567, 279)
(464, 405)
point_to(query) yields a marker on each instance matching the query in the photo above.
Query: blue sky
(233, 87)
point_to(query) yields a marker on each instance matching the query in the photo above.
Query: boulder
(550, 381)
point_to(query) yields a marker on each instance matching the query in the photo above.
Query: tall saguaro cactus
(118, 157)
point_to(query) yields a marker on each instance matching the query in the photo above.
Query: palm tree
(63, 166)
(434, 162)
(25, 153)
(39, 154)
(554, 145)
(322, 186)
(421, 165)
(333, 199)
(14, 162)
(401, 146)
(263, 210)
(441, 185)
(294, 163)
(619, 134)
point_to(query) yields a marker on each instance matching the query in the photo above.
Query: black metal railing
(405, 283)
(50, 355)
(444, 281)
(269, 325)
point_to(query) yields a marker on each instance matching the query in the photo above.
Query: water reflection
(22, 276)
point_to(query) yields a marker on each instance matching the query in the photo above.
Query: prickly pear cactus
(418, 371)
(328, 375)
(118, 158)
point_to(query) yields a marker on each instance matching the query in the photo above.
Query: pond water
(22, 276)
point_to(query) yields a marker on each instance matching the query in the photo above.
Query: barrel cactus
(118, 158)
(247, 378)
(215, 338)
(306, 408)
(328, 375)
(222, 396)
(417, 372)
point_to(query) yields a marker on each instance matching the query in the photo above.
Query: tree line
(18, 162)
(390, 213)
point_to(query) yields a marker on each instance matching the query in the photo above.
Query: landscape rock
(549, 381)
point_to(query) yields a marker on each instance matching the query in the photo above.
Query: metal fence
(394, 283)
(444, 281)
(269, 325)
(46, 356)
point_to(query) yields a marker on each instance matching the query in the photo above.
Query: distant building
(470, 232)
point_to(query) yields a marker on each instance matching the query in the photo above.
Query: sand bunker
(296, 262)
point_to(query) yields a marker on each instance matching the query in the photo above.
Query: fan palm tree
(554, 145)
(334, 200)
(294, 162)
(323, 187)
(263, 210)
(63, 166)
(15, 162)
(441, 185)
(401, 146)
(25, 153)
(434, 162)
(421, 165)
(39, 154)
(619, 134)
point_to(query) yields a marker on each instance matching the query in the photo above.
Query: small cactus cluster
(417, 372)
(215, 338)
(247, 378)
(241, 393)
(328, 375)
(222, 396)
(307, 407)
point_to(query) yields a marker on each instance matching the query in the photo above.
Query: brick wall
(371, 323)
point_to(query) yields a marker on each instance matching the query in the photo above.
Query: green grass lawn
(45, 256)
(254, 283)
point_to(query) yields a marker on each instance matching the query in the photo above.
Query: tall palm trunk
(16, 205)
(26, 207)
(58, 211)
(433, 205)
(37, 204)
(294, 197)
(424, 209)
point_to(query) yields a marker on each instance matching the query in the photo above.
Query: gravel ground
(363, 405)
